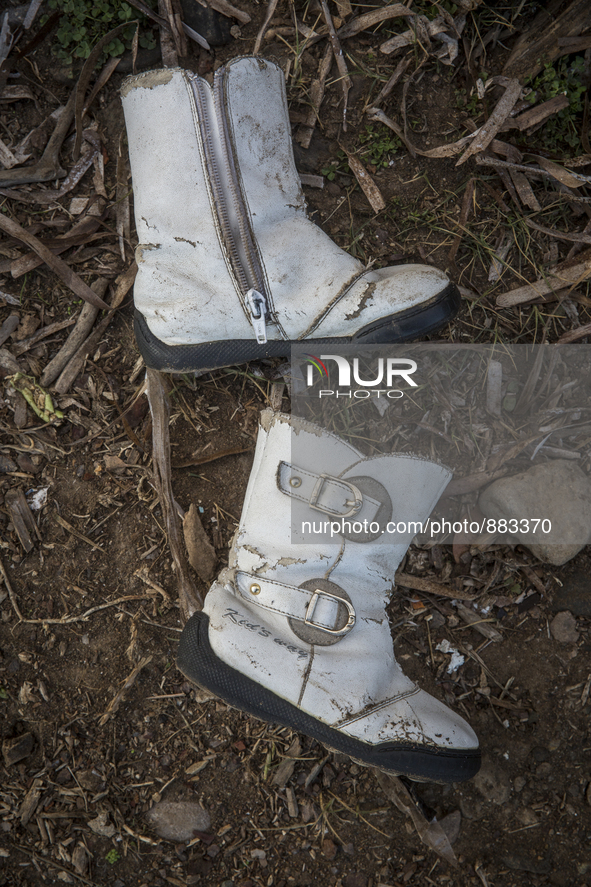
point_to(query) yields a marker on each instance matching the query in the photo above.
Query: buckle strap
(323, 492)
(316, 608)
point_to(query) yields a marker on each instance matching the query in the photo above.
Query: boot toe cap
(417, 719)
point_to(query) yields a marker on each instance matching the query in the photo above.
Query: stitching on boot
(328, 308)
(374, 708)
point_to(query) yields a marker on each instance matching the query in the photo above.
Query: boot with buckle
(295, 631)
(229, 266)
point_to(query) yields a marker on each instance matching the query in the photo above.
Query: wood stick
(69, 277)
(189, 598)
(84, 324)
(346, 82)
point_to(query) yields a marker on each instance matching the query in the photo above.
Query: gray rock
(519, 783)
(564, 628)
(558, 491)
(526, 816)
(101, 826)
(493, 783)
(178, 820)
(472, 808)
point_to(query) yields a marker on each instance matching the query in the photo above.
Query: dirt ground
(96, 723)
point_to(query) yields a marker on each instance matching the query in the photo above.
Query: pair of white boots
(231, 269)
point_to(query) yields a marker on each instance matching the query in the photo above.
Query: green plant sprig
(84, 22)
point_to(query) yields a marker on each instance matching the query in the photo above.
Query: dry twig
(271, 7)
(69, 277)
(118, 698)
(339, 58)
(560, 279)
(189, 597)
(306, 132)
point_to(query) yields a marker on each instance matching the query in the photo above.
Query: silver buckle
(334, 631)
(355, 506)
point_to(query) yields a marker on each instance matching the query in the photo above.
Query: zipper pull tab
(257, 305)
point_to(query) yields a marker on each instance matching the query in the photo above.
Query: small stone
(472, 808)
(333, 189)
(519, 783)
(329, 848)
(80, 859)
(564, 628)
(261, 856)
(114, 464)
(558, 492)
(493, 783)
(526, 816)
(178, 820)
(18, 748)
(437, 621)
(101, 826)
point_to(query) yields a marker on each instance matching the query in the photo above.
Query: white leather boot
(298, 634)
(230, 267)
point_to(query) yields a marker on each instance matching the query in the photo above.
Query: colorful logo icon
(315, 362)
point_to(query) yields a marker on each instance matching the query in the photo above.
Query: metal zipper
(228, 201)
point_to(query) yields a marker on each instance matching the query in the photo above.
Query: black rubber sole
(199, 664)
(393, 329)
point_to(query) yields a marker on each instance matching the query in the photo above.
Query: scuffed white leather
(355, 685)
(185, 287)
(183, 282)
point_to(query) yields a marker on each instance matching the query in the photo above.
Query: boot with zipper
(298, 634)
(230, 267)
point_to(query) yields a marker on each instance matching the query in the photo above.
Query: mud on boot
(298, 634)
(230, 268)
